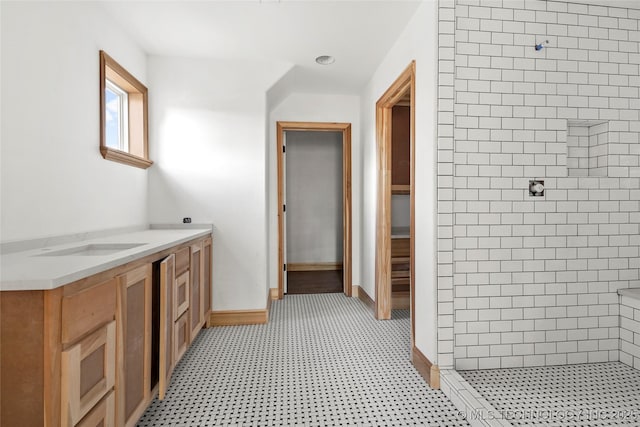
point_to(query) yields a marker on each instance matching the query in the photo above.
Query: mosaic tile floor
(597, 394)
(322, 360)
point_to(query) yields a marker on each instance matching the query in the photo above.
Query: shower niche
(588, 148)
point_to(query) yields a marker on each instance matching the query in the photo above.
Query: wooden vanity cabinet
(103, 414)
(88, 357)
(196, 306)
(166, 361)
(81, 354)
(180, 336)
(181, 304)
(58, 354)
(207, 253)
(185, 304)
(181, 291)
(134, 344)
(88, 371)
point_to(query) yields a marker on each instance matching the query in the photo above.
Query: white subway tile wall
(534, 279)
(446, 90)
(630, 331)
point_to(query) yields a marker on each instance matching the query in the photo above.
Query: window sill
(124, 157)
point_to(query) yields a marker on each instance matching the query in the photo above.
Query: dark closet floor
(314, 282)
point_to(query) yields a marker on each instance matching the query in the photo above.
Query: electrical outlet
(186, 220)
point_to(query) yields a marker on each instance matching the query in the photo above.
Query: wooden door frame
(345, 128)
(406, 81)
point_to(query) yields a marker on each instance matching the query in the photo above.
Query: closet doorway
(314, 207)
(395, 213)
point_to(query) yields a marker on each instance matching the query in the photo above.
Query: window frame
(137, 146)
(123, 118)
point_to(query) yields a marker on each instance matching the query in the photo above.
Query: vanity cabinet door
(166, 361)
(88, 373)
(207, 253)
(196, 307)
(182, 284)
(182, 260)
(133, 381)
(180, 337)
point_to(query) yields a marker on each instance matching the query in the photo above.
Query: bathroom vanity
(91, 330)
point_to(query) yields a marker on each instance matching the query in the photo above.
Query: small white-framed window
(117, 116)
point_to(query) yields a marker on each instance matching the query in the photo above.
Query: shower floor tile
(596, 394)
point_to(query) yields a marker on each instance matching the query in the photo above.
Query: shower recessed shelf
(587, 147)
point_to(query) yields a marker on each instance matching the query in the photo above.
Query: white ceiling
(357, 33)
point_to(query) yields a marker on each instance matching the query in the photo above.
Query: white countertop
(29, 270)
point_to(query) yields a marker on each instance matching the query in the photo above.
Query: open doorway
(314, 207)
(395, 214)
(313, 214)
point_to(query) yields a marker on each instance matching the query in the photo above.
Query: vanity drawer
(183, 257)
(181, 295)
(85, 311)
(87, 373)
(103, 414)
(180, 337)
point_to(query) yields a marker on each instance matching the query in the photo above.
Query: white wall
(400, 210)
(305, 107)
(313, 197)
(53, 179)
(208, 141)
(419, 42)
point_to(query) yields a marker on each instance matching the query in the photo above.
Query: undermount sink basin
(93, 249)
